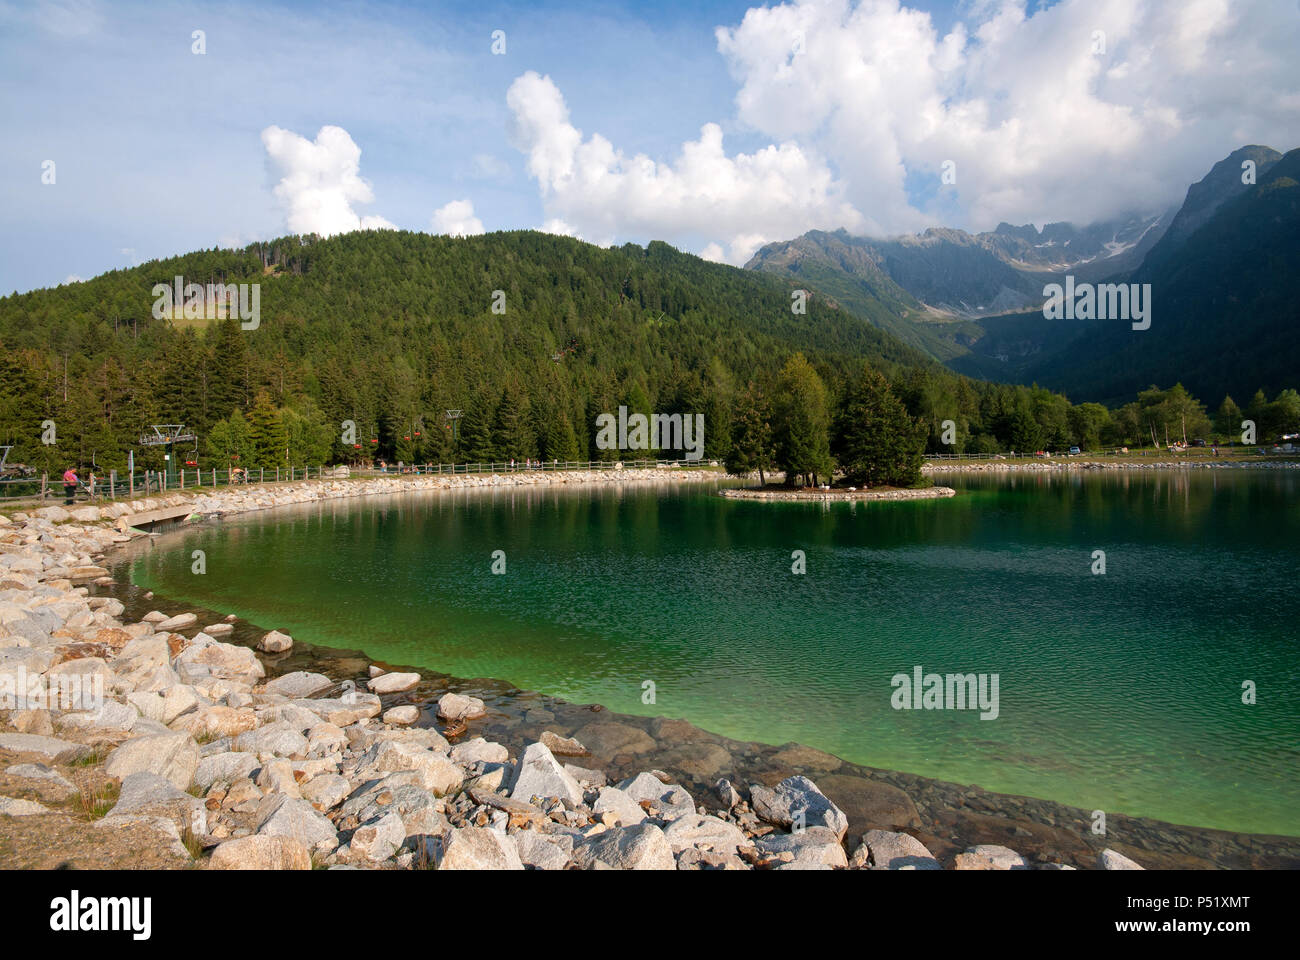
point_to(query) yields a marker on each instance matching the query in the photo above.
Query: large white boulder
(174, 756)
(260, 852)
(539, 774)
(796, 800)
(478, 848)
(394, 682)
(640, 847)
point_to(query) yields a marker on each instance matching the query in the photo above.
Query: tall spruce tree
(269, 440)
(511, 437)
(228, 374)
(876, 442)
(752, 446)
(1227, 421)
(801, 422)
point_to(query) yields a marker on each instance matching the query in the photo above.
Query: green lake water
(1120, 692)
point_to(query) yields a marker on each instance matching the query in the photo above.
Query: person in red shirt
(69, 486)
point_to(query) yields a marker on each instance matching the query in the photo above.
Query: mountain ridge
(973, 301)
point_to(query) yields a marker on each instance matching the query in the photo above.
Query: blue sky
(159, 150)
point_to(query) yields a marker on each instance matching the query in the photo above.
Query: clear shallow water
(1119, 692)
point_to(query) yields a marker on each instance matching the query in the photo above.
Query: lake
(1121, 692)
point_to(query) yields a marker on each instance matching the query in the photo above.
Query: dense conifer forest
(530, 336)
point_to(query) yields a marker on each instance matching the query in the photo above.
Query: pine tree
(1026, 435)
(511, 438)
(751, 435)
(307, 435)
(1227, 421)
(243, 449)
(266, 430)
(1258, 412)
(218, 445)
(559, 441)
(179, 383)
(228, 372)
(600, 402)
(801, 421)
(475, 434)
(1285, 412)
(876, 442)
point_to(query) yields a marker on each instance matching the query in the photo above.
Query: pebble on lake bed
(275, 642)
(402, 716)
(394, 682)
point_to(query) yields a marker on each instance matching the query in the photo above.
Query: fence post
(130, 482)
(261, 474)
(44, 478)
(112, 484)
(182, 478)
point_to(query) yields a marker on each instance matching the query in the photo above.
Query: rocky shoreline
(1075, 463)
(174, 743)
(922, 493)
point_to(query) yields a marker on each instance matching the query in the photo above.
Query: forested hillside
(391, 329)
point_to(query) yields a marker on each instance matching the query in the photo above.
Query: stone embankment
(225, 501)
(1069, 464)
(924, 493)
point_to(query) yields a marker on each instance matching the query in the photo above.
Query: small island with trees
(867, 448)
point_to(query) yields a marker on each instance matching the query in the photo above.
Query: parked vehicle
(1075, 451)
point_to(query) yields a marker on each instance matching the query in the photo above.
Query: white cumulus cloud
(742, 200)
(1078, 111)
(559, 227)
(320, 181)
(457, 218)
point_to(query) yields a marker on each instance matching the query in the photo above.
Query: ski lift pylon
(166, 433)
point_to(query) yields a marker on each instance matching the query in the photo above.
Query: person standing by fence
(69, 486)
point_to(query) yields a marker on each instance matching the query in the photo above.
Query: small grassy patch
(192, 842)
(91, 758)
(96, 797)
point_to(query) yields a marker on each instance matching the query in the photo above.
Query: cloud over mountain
(1079, 111)
(320, 181)
(457, 219)
(742, 200)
